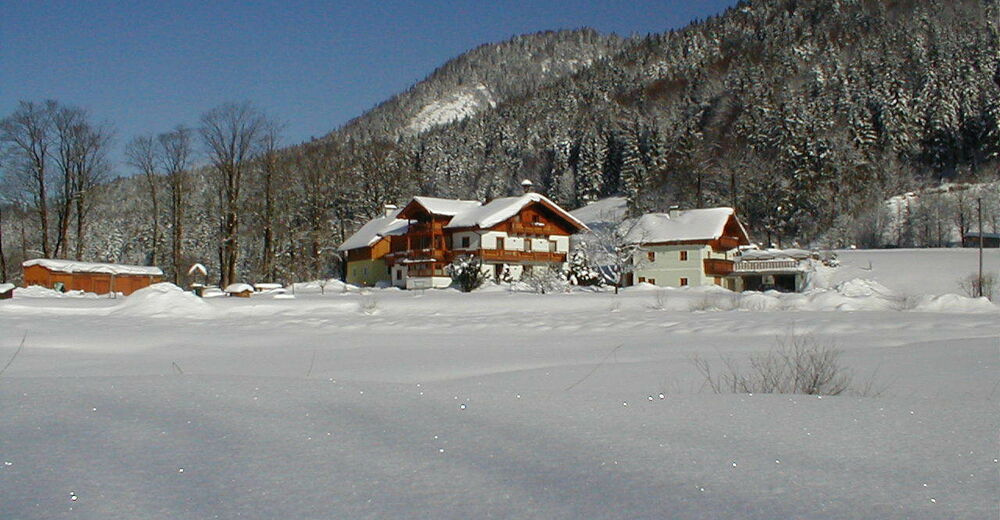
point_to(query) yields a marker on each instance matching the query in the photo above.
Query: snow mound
(37, 291)
(954, 303)
(859, 288)
(164, 300)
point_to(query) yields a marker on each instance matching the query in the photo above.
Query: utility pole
(979, 211)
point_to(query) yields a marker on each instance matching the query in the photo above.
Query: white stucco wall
(667, 269)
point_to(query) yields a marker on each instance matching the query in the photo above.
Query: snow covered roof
(774, 254)
(5, 287)
(604, 211)
(238, 288)
(446, 207)
(374, 230)
(692, 224)
(70, 266)
(499, 210)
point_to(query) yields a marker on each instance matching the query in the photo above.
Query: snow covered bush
(580, 271)
(798, 364)
(544, 279)
(466, 271)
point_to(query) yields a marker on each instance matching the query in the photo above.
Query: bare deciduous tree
(234, 136)
(141, 154)
(27, 137)
(176, 151)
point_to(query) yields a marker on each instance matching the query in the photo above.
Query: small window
(399, 274)
(499, 242)
(651, 256)
(684, 256)
(527, 245)
(465, 242)
(642, 279)
(684, 281)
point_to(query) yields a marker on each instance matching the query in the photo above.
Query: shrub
(971, 285)
(797, 364)
(466, 272)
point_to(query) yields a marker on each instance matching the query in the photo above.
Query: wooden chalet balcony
(531, 228)
(437, 255)
(726, 243)
(503, 255)
(718, 267)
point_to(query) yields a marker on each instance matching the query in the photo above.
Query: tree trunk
(79, 227)
(3, 257)
(268, 253)
(43, 216)
(177, 231)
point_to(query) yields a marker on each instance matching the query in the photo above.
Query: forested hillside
(802, 114)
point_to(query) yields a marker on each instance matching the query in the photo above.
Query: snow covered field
(438, 404)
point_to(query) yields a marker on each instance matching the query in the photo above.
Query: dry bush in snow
(797, 364)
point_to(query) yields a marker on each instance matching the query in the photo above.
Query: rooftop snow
(70, 266)
(604, 211)
(4, 287)
(374, 230)
(447, 207)
(692, 224)
(499, 210)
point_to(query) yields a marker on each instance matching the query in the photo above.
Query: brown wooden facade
(427, 246)
(100, 283)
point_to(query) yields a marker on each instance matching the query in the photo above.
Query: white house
(686, 248)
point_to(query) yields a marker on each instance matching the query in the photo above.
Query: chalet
(687, 248)
(67, 275)
(410, 247)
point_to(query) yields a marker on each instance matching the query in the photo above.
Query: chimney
(527, 186)
(674, 211)
(389, 208)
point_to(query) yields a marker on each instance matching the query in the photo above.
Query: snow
(198, 269)
(374, 230)
(238, 288)
(605, 211)
(498, 404)
(446, 207)
(163, 300)
(692, 224)
(455, 106)
(499, 210)
(70, 266)
(5, 287)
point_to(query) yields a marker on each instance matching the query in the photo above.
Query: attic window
(465, 242)
(684, 256)
(651, 256)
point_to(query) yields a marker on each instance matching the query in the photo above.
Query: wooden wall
(100, 283)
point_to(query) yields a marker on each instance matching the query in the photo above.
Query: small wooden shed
(6, 291)
(241, 290)
(68, 275)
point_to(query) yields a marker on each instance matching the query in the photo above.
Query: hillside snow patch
(455, 106)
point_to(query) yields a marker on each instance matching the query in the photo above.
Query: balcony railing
(503, 255)
(766, 265)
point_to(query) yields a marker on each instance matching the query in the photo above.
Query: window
(465, 242)
(642, 279)
(527, 244)
(652, 281)
(399, 274)
(651, 256)
(499, 242)
(684, 281)
(553, 246)
(684, 256)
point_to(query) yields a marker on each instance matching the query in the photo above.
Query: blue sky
(147, 66)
